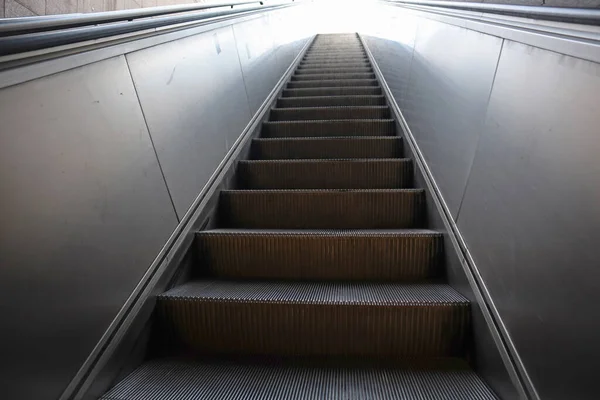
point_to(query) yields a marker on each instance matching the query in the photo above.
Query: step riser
(326, 258)
(322, 210)
(232, 327)
(337, 91)
(320, 71)
(315, 59)
(312, 77)
(329, 128)
(313, 114)
(333, 83)
(332, 101)
(335, 64)
(336, 54)
(326, 149)
(325, 175)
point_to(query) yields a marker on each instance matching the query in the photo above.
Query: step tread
(338, 293)
(217, 379)
(331, 233)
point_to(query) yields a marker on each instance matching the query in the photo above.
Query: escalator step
(357, 127)
(332, 70)
(333, 91)
(322, 209)
(324, 101)
(335, 64)
(329, 113)
(346, 255)
(325, 174)
(325, 59)
(323, 318)
(332, 83)
(343, 75)
(336, 54)
(215, 379)
(327, 148)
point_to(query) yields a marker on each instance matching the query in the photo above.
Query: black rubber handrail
(43, 40)
(575, 15)
(42, 24)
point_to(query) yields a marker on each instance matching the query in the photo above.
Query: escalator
(322, 280)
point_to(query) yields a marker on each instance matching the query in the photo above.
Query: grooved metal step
(332, 70)
(322, 209)
(322, 255)
(325, 174)
(324, 319)
(329, 113)
(324, 101)
(275, 379)
(333, 91)
(343, 75)
(327, 148)
(332, 83)
(336, 54)
(324, 59)
(357, 127)
(335, 64)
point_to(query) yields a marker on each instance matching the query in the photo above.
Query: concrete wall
(30, 8)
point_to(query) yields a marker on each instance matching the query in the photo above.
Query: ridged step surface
(327, 101)
(337, 64)
(357, 127)
(330, 113)
(333, 91)
(332, 70)
(322, 209)
(334, 319)
(332, 83)
(327, 148)
(332, 75)
(357, 255)
(325, 174)
(172, 379)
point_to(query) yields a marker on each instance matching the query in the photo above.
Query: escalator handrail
(44, 24)
(574, 15)
(42, 40)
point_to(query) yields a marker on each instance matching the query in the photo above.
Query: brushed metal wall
(85, 207)
(83, 213)
(510, 132)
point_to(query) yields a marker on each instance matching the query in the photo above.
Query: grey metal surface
(530, 214)
(83, 213)
(258, 53)
(218, 379)
(522, 8)
(389, 48)
(39, 24)
(451, 76)
(193, 96)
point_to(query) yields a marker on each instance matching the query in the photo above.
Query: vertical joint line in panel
(487, 104)
(237, 51)
(151, 140)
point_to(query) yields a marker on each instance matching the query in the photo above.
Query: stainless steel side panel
(83, 213)
(392, 41)
(530, 215)
(258, 57)
(192, 94)
(450, 81)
